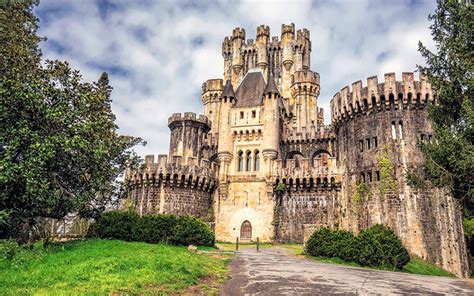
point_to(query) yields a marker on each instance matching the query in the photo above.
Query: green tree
(60, 151)
(450, 158)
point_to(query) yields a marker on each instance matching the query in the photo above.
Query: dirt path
(275, 272)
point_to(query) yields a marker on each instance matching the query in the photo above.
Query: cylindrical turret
(227, 55)
(211, 95)
(238, 37)
(187, 135)
(263, 34)
(287, 42)
(271, 123)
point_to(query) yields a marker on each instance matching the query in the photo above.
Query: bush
(192, 231)
(380, 246)
(332, 243)
(376, 246)
(129, 226)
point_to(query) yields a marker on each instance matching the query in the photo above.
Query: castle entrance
(246, 231)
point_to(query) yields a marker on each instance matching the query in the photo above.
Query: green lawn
(107, 266)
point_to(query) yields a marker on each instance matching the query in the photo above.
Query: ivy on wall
(387, 181)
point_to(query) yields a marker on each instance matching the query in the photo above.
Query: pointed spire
(271, 86)
(228, 90)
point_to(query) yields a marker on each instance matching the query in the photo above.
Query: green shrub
(376, 246)
(380, 246)
(192, 231)
(332, 243)
(129, 226)
(156, 228)
(116, 225)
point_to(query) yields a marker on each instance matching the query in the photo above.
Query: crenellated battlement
(238, 33)
(287, 29)
(263, 31)
(178, 118)
(227, 47)
(305, 76)
(172, 172)
(303, 34)
(377, 96)
(313, 134)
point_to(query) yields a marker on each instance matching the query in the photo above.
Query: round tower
(271, 123)
(187, 136)
(238, 37)
(303, 100)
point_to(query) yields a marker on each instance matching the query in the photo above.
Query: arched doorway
(246, 231)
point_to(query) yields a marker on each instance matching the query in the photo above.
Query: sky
(158, 53)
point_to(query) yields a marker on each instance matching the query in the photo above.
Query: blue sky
(158, 53)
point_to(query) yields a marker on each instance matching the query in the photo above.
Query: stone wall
(301, 209)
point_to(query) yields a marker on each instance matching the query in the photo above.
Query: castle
(261, 163)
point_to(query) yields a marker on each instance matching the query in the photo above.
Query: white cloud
(159, 53)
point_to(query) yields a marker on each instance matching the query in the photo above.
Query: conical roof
(271, 86)
(228, 90)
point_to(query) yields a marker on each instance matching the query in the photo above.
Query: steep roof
(228, 90)
(250, 91)
(271, 86)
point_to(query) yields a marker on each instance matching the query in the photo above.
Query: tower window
(254, 114)
(375, 142)
(240, 161)
(377, 175)
(248, 161)
(241, 115)
(256, 164)
(394, 131)
(361, 145)
(368, 143)
(400, 127)
(369, 175)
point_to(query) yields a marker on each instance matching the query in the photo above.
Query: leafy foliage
(450, 158)
(361, 192)
(387, 181)
(414, 180)
(380, 246)
(332, 243)
(376, 246)
(129, 226)
(60, 151)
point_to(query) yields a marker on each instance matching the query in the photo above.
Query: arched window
(256, 164)
(240, 161)
(248, 165)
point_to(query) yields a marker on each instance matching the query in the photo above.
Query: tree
(60, 151)
(450, 158)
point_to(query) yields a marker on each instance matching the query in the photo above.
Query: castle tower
(287, 41)
(303, 101)
(271, 124)
(187, 136)
(263, 35)
(211, 98)
(238, 37)
(225, 141)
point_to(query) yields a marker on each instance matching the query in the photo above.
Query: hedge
(376, 246)
(129, 226)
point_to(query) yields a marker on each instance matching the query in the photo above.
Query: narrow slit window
(375, 142)
(249, 161)
(394, 131)
(377, 175)
(400, 129)
(368, 143)
(362, 177)
(361, 145)
(369, 175)
(240, 159)
(254, 114)
(241, 115)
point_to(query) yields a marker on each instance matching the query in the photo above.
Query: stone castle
(261, 162)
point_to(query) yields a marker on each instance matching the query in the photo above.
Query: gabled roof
(250, 91)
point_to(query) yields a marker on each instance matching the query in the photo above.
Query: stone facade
(261, 163)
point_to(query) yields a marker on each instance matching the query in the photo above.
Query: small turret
(238, 37)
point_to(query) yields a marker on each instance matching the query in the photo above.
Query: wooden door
(246, 231)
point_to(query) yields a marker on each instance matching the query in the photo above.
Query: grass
(110, 266)
(415, 266)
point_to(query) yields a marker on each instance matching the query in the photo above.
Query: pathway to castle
(274, 271)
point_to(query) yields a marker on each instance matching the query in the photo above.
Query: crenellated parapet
(305, 174)
(175, 172)
(312, 134)
(179, 119)
(211, 91)
(376, 96)
(305, 82)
